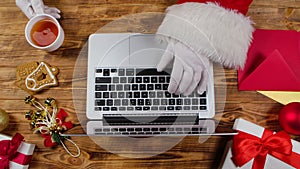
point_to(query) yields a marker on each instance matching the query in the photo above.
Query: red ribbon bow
(8, 152)
(60, 120)
(246, 147)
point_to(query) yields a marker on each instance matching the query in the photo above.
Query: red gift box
(258, 148)
(14, 152)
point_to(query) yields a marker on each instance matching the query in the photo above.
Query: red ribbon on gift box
(8, 152)
(246, 147)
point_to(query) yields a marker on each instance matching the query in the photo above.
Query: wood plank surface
(81, 18)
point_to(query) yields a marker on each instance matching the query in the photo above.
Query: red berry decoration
(289, 118)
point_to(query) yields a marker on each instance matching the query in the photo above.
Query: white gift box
(253, 129)
(24, 148)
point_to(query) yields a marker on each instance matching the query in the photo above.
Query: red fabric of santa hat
(239, 5)
(217, 29)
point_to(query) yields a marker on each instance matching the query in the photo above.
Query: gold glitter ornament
(4, 120)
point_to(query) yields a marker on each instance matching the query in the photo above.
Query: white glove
(32, 7)
(190, 71)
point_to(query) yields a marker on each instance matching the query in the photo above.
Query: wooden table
(81, 18)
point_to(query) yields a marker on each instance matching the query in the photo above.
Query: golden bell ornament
(4, 120)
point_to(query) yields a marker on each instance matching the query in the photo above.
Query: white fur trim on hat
(220, 34)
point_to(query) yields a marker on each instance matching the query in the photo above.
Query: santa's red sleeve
(217, 29)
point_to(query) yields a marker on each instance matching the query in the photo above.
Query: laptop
(127, 96)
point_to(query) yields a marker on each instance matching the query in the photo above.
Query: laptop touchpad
(145, 50)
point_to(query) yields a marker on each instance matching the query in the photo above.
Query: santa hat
(217, 29)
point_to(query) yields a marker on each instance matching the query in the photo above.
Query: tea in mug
(44, 32)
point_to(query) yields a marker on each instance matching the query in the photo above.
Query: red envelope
(273, 62)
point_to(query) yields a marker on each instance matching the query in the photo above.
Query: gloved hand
(32, 7)
(190, 70)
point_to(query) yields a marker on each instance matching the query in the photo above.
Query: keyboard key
(100, 102)
(136, 94)
(150, 87)
(142, 87)
(144, 94)
(158, 87)
(138, 108)
(186, 108)
(130, 80)
(103, 79)
(146, 79)
(162, 108)
(178, 101)
(202, 101)
(168, 79)
(122, 108)
(194, 107)
(128, 94)
(155, 101)
(101, 87)
(135, 87)
(113, 70)
(203, 94)
(163, 102)
(126, 87)
(167, 94)
(112, 87)
(130, 108)
(138, 80)
(109, 102)
(187, 101)
(133, 102)
(145, 108)
(98, 108)
(124, 102)
(170, 108)
(152, 94)
(161, 79)
(113, 95)
(116, 80)
(141, 102)
(194, 101)
(98, 70)
(105, 108)
(129, 72)
(165, 86)
(123, 80)
(178, 108)
(147, 101)
(202, 107)
(106, 72)
(154, 108)
(98, 95)
(117, 102)
(114, 109)
(130, 129)
(119, 87)
(160, 94)
(175, 96)
(153, 79)
(121, 72)
(121, 95)
(171, 101)
(105, 94)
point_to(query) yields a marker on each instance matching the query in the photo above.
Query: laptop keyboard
(135, 89)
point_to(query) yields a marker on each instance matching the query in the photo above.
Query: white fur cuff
(222, 35)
